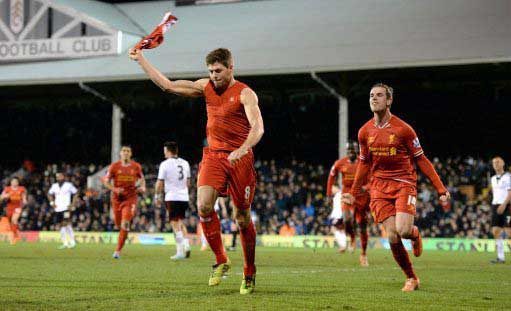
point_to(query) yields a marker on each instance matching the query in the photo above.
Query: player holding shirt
(357, 211)
(388, 149)
(16, 197)
(234, 126)
(125, 175)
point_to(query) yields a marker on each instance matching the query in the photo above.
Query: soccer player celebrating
(388, 149)
(16, 197)
(125, 174)
(501, 190)
(174, 179)
(60, 194)
(234, 126)
(357, 211)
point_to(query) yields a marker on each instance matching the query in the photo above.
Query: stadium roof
(288, 36)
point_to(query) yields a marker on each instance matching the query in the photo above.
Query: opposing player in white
(336, 218)
(174, 179)
(62, 196)
(501, 190)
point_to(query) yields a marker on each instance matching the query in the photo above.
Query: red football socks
(363, 241)
(121, 239)
(402, 259)
(211, 228)
(14, 229)
(248, 242)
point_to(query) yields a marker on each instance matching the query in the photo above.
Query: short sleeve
(188, 174)
(140, 173)
(72, 188)
(52, 190)
(411, 142)
(363, 148)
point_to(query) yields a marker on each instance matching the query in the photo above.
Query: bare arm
(106, 182)
(158, 187)
(24, 198)
(250, 103)
(179, 87)
(141, 187)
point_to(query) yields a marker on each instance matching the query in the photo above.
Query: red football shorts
(238, 180)
(11, 210)
(123, 210)
(391, 196)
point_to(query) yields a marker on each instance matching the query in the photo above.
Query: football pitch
(39, 277)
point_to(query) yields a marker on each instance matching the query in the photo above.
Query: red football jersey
(125, 177)
(15, 196)
(390, 149)
(345, 167)
(228, 126)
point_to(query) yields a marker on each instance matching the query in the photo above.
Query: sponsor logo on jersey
(416, 142)
(391, 138)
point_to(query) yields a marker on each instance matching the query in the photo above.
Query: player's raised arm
(250, 102)
(179, 87)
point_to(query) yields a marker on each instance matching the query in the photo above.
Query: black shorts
(499, 220)
(177, 209)
(62, 216)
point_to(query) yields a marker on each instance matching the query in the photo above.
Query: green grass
(40, 277)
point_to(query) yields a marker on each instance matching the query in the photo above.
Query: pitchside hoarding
(304, 241)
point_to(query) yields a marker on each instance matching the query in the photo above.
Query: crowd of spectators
(290, 197)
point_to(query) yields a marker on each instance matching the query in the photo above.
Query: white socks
(179, 243)
(63, 235)
(70, 234)
(186, 244)
(340, 237)
(500, 248)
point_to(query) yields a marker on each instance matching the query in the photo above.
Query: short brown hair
(221, 55)
(171, 146)
(389, 91)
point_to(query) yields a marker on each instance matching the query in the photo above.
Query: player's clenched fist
(134, 54)
(445, 197)
(236, 155)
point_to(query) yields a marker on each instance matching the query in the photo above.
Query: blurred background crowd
(290, 197)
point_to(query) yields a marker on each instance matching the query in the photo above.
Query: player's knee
(125, 225)
(243, 219)
(204, 207)
(404, 231)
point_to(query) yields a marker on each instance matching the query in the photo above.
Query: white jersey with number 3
(175, 173)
